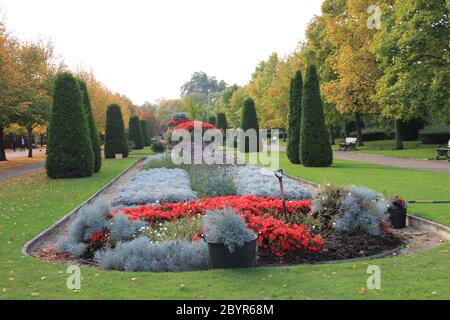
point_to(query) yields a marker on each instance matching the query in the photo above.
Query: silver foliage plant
(358, 209)
(95, 218)
(155, 186)
(154, 157)
(227, 227)
(141, 255)
(254, 180)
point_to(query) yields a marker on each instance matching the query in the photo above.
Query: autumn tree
(294, 118)
(69, 149)
(413, 49)
(9, 84)
(315, 148)
(166, 108)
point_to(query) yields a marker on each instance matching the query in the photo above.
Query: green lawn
(30, 204)
(144, 152)
(413, 149)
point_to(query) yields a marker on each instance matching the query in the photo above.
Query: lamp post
(279, 174)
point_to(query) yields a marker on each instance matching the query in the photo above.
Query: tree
(166, 108)
(295, 110)
(413, 50)
(249, 121)
(115, 139)
(212, 120)
(221, 121)
(145, 132)
(234, 110)
(315, 148)
(9, 84)
(135, 132)
(69, 150)
(95, 139)
(353, 60)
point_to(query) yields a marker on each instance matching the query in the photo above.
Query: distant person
(22, 143)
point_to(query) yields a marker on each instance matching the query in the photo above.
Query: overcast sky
(148, 49)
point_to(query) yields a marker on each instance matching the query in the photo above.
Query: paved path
(19, 164)
(428, 165)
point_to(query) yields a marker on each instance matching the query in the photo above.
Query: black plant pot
(397, 217)
(222, 258)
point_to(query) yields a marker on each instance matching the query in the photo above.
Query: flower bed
(155, 186)
(262, 182)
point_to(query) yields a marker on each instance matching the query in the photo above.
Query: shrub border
(31, 245)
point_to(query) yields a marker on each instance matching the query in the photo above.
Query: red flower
(191, 125)
(259, 213)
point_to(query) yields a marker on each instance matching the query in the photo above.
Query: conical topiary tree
(221, 121)
(212, 120)
(115, 139)
(69, 149)
(145, 132)
(315, 148)
(249, 120)
(135, 132)
(95, 139)
(295, 109)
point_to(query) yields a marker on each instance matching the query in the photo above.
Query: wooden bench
(348, 145)
(442, 151)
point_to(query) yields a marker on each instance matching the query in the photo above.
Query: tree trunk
(398, 136)
(2, 146)
(358, 130)
(332, 137)
(30, 142)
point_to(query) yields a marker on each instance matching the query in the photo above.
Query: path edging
(28, 247)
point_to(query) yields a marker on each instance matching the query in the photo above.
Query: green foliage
(135, 132)
(180, 229)
(95, 139)
(158, 147)
(249, 120)
(212, 120)
(435, 135)
(210, 181)
(221, 121)
(295, 110)
(145, 132)
(315, 148)
(115, 139)
(69, 150)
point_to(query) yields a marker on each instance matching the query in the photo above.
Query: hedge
(435, 135)
(115, 139)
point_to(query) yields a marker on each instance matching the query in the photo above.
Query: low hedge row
(435, 135)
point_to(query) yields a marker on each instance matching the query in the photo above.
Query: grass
(144, 152)
(32, 203)
(413, 149)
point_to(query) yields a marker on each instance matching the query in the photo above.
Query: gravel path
(428, 165)
(21, 170)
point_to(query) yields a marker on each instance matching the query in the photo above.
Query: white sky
(147, 49)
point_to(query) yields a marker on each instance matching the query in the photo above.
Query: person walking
(22, 143)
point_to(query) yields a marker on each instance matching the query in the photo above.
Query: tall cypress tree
(249, 120)
(221, 121)
(115, 139)
(315, 148)
(95, 139)
(295, 109)
(69, 149)
(145, 132)
(212, 120)
(135, 132)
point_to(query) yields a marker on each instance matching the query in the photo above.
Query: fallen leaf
(35, 294)
(443, 251)
(43, 278)
(362, 291)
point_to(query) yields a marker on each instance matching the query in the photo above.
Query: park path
(19, 164)
(417, 164)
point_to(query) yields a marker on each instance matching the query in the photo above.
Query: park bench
(348, 145)
(442, 151)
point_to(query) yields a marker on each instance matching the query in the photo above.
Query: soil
(338, 246)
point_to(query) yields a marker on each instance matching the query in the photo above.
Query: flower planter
(398, 217)
(119, 156)
(222, 258)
